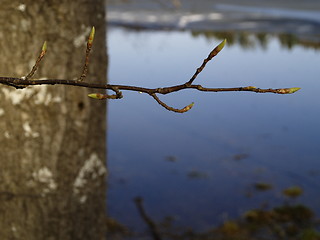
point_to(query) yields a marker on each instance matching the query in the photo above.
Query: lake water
(200, 167)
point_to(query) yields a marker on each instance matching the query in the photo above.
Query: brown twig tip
(177, 110)
(212, 54)
(217, 49)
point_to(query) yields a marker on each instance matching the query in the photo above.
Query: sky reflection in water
(200, 166)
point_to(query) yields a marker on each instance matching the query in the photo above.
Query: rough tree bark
(52, 157)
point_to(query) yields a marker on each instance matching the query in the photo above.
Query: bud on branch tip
(96, 95)
(287, 90)
(217, 49)
(221, 45)
(44, 46)
(294, 89)
(91, 36)
(187, 108)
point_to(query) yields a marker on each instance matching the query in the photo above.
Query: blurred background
(238, 165)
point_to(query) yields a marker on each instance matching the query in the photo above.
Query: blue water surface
(199, 167)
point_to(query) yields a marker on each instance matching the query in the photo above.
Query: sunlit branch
(24, 82)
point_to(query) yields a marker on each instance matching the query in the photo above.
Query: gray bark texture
(52, 138)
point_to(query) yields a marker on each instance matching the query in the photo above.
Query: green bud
(217, 49)
(221, 45)
(293, 90)
(91, 36)
(187, 108)
(96, 95)
(44, 46)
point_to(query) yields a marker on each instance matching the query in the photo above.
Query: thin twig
(212, 54)
(88, 50)
(23, 82)
(36, 65)
(182, 110)
(247, 89)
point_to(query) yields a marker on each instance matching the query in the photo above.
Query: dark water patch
(235, 139)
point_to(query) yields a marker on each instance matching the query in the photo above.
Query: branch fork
(23, 82)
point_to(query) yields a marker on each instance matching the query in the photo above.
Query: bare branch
(182, 110)
(23, 82)
(247, 89)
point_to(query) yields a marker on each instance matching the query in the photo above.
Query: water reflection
(253, 40)
(242, 21)
(289, 220)
(52, 175)
(210, 165)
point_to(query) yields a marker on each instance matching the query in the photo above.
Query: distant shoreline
(216, 16)
(208, 5)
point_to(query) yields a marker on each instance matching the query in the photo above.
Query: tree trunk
(52, 157)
